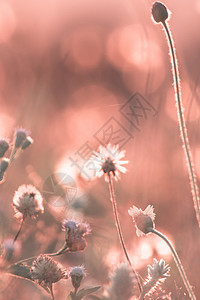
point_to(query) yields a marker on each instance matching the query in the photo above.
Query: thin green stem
(117, 223)
(182, 125)
(177, 261)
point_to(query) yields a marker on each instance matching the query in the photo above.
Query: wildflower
(123, 283)
(27, 201)
(20, 136)
(77, 274)
(47, 271)
(158, 270)
(108, 162)
(156, 275)
(27, 142)
(74, 233)
(159, 12)
(144, 220)
(4, 146)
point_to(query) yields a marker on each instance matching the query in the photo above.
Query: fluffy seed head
(45, 269)
(107, 161)
(144, 220)
(4, 146)
(159, 12)
(123, 283)
(77, 274)
(27, 201)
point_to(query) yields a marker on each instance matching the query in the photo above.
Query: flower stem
(29, 260)
(182, 125)
(51, 292)
(63, 250)
(20, 228)
(177, 261)
(117, 223)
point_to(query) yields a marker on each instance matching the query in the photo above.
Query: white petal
(120, 155)
(139, 232)
(122, 169)
(134, 211)
(149, 211)
(123, 162)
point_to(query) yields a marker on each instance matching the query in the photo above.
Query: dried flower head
(4, 146)
(123, 283)
(156, 275)
(77, 274)
(47, 271)
(144, 220)
(20, 136)
(159, 12)
(74, 233)
(108, 162)
(27, 201)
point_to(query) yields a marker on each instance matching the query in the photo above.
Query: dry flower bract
(47, 271)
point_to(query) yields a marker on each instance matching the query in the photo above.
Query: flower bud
(77, 274)
(4, 164)
(144, 223)
(159, 12)
(28, 141)
(76, 243)
(20, 136)
(3, 147)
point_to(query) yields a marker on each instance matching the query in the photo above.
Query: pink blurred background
(66, 68)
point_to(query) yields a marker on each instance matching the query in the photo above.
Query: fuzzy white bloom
(47, 271)
(108, 162)
(123, 283)
(144, 220)
(27, 201)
